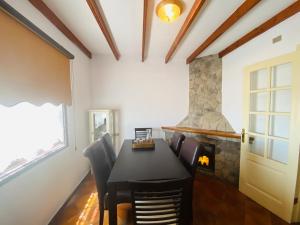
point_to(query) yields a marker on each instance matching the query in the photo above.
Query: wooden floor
(215, 203)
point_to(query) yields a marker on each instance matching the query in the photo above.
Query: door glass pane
(279, 126)
(282, 75)
(278, 150)
(259, 79)
(281, 101)
(257, 123)
(256, 145)
(258, 102)
(100, 124)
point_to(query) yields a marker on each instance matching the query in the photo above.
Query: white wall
(33, 197)
(258, 49)
(149, 94)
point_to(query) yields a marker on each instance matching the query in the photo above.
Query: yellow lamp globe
(169, 10)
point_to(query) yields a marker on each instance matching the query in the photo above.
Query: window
(29, 133)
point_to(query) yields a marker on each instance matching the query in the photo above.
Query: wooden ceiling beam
(278, 18)
(229, 22)
(101, 22)
(144, 29)
(186, 25)
(51, 16)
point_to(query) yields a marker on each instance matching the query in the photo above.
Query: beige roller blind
(30, 69)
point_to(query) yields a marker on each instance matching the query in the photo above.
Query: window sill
(18, 171)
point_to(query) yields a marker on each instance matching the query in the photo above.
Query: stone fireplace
(222, 155)
(205, 95)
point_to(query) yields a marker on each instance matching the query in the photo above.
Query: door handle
(243, 135)
(251, 139)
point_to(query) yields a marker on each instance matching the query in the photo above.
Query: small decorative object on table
(143, 144)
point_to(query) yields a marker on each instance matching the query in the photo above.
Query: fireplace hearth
(206, 160)
(220, 157)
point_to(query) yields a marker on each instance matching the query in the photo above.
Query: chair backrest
(189, 154)
(176, 142)
(142, 132)
(161, 202)
(100, 164)
(109, 148)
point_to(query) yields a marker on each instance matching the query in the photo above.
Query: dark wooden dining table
(159, 163)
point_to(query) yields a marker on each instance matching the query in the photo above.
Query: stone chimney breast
(205, 95)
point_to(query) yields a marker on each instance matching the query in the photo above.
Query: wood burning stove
(206, 160)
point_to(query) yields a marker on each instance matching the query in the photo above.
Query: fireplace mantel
(214, 133)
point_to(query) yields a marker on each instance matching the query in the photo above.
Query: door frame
(296, 210)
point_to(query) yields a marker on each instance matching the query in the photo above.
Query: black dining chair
(161, 202)
(189, 154)
(109, 148)
(142, 132)
(101, 167)
(176, 142)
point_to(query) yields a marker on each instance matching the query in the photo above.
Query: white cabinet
(103, 121)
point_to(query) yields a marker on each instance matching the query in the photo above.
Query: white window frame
(19, 170)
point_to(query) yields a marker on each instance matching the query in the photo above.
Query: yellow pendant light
(169, 10)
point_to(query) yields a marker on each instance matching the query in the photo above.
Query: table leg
(112, 205)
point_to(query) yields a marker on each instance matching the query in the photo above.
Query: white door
(270, 141)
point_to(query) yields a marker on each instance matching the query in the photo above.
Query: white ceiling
(125, 19)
